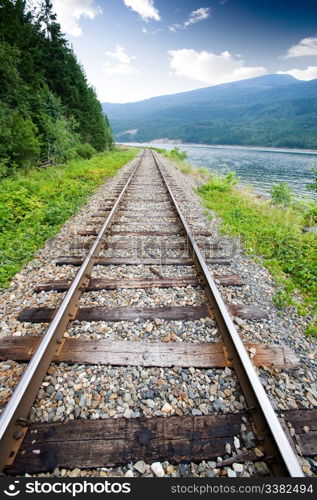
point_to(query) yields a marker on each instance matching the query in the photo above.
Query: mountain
(271, 110)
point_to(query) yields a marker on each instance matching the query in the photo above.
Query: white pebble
(158, 469)
(237, 467)
(236, 442)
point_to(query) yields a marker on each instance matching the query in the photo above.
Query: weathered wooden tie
(162, 354)
(304, 423)
(128, 261)
(132, 233)
(146, 200)
(171, 313)
(175, 313)
(113, 284)
(253, 313)
(159, 212)
(131, 244)
(110, 442)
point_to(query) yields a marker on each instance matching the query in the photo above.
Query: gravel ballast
(93, 391)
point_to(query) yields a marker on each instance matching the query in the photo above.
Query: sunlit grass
(34, 204)
(273, 233)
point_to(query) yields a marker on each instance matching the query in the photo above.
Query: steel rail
(283, 460)
(13, 419)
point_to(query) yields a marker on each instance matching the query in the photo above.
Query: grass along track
(35, 203)
(272, 233)
(276, 236)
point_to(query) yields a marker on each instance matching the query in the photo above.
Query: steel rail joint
(266, 420)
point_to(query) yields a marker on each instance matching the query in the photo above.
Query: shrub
(281, 194)
(177, 154)
(310, 212)
(25, 146)
(19, 142)
(64, 140)
(4, 167)
(220, 183)
(311, 330)
(86, 151)
(313, 185)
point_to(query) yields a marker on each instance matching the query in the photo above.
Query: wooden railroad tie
(112, 442)
(133, 244)
(128, 261)
(146, 200)
(113, 284)
(131, 213)
(132, 232)
(304, 423)
(162, 354)
(146, 219)
(159, 213)
(171, 313)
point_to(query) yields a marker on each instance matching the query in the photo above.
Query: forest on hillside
(48, 111)
(272, 110)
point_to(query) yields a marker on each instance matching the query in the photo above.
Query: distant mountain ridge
(271, 110)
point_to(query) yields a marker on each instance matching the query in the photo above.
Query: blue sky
(136, 49)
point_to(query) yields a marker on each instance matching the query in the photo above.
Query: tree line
(48, 111)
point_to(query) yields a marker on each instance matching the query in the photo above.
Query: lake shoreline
(260, 168)
(172, 143)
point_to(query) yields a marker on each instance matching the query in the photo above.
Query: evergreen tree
(47, 108)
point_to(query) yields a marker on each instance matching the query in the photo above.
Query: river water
(260, 167)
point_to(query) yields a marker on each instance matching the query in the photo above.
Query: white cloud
(69, 13)
(145, 8)
(306, 47)
(309, 73)
(120, 55)
(198, 15)
(194, 17)
(124, 66)
(210, 68)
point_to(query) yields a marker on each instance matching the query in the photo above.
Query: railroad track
(143, 222)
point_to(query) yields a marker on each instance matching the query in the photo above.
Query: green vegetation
(281, 194)
(34, 204)
(177, 154)
(201, 174)
(48, 112)
(275, 233)
(313, 185)
(222, 183)
(272, 110)
(273, 230)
